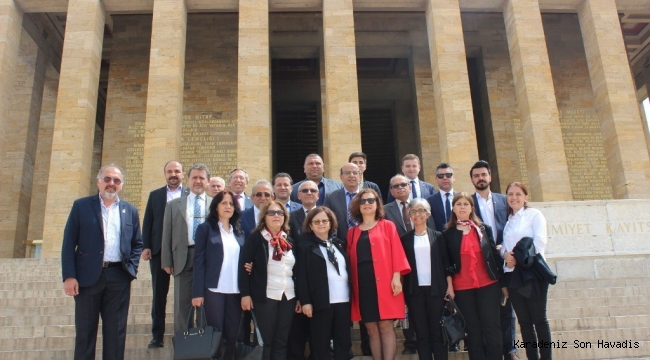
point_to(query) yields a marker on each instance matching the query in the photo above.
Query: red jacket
(388, 255)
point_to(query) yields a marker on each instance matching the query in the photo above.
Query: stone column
(11, 18)
(164, 113)
(342, 128)
(254, 90)
(453, 102)
(546, 163)
(615, 100)
(20, 146)
(74, 125)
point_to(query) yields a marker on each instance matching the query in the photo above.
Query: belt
(110, 264)
(190, 246)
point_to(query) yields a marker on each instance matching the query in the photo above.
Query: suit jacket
(293, 206)
(174, 238)
(154, 214)
(247, 221)
(337, 203)
(82, 252)
(426, 190)
(438, 263)
(394, 213)
(208, 257)
(330, 185)
(500, 213)
(248, 203)
(296, 219)
(438, 211)
(371, 185)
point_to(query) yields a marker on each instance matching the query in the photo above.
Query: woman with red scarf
(475, 267)
(269, 289)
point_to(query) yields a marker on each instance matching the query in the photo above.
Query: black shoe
(409, 351)
(454, 348)
(155, 344)
(366, 353)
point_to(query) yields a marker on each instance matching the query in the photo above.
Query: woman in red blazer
(377, 261)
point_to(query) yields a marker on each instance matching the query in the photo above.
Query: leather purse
(452, 322)
(196, 343)
(252, 351)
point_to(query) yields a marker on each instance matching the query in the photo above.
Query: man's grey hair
(262, 182)
(240, 169)
(199, 167)
(111, 165)
(302, 184)
(396, 176)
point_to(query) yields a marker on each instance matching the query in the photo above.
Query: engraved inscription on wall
(210, 138)
(521, 151)
(585, 154)
(133, 166)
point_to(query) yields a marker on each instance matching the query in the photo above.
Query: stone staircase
(37, 319)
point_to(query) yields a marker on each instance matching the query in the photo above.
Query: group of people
(310, 258)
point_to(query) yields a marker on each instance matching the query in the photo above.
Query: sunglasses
(417, 211)
(368, 200)
(274, 213)
(305, 191)
(400, 185)
(447, 175)
(318, 222)
(265, 194)
(108, 179)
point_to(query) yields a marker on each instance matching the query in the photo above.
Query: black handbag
(253, 351)
(452, 322)
(196, 343)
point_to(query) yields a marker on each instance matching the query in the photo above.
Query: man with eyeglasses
(237, 181)
(314, 170)
(182, 217)
(339, 200)
(262, 194)
(361, 160)
(282, 189)
(411, 169)
(100, 255)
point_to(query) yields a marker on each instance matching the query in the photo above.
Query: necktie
(351, 222)
(405, 217)
(197, 216)
(447, 207)
(414, 194)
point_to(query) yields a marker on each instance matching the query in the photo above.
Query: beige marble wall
(453, 104)
(546, 163)
(621, 127)
(72, 144)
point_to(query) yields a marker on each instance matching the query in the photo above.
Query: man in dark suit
(411, 169)
(360, 159)
(314, 170)
(282, 189)
(100, 255)
(152, 228)
(492, 209)
(262, 194)
(237, 181)
(441, 202)
(339, 200)
(182, 217)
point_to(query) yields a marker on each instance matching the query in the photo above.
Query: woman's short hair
(472, 216)
(315, 211)
(261, 225)
(419, 201)
(523, 188)
(355, 207)
(213, 215)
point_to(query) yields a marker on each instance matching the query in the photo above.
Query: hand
(396, 285)
(499, 247)
(504, 291)
(510, 259)
(71, 287)
(246, 303)
(308, 310)
(249, 267)
(298, 308)
(169, 270)
(146, 254)
(451, 293)
(197, 302)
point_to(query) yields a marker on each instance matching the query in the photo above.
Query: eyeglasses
(348, 173)
(417, 211)
(305, 191)
(446, 175)
(274, 213)
(400, 185)
(318, 222)
(108, 179)
(265, 194)
(368, 200)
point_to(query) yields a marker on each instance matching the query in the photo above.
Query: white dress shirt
(189, 214)
(524, 223)
(337, 284)
(228, 276)
(256, 215)
(241, 201)
(487, 212)
(422, 249)
(279, 275)
(112, 230)
(417, 188)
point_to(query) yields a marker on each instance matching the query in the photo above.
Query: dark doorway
(378, 143)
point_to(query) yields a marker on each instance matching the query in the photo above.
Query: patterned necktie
(447, 207)
(405, 216)
(414, 194)
(351, 222)
(197, 216)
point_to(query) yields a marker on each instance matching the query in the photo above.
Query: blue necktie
(414, 193)
(197, 216)
(351, 222)
(447, 208)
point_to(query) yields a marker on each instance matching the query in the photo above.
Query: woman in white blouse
(216, 267)
(531, 311)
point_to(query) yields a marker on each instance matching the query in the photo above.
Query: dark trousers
(223, 311)
(108, 297)
(424, 315)
(274, 320)
(532, 312)
(331, 323)
(160, 285)
(298, 338)
(480, 308)
(410, 338)
(508, 328)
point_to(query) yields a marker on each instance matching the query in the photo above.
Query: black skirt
(368, 300)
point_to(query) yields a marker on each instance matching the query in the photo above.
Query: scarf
(329, 246)
(279, 243)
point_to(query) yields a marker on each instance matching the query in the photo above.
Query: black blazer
(296, 219)
(371, 185)
(438, 264)
(493, 261)
(313, 283)
(208, 257)
(154, 213)
(255, 250)
(336, 201)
